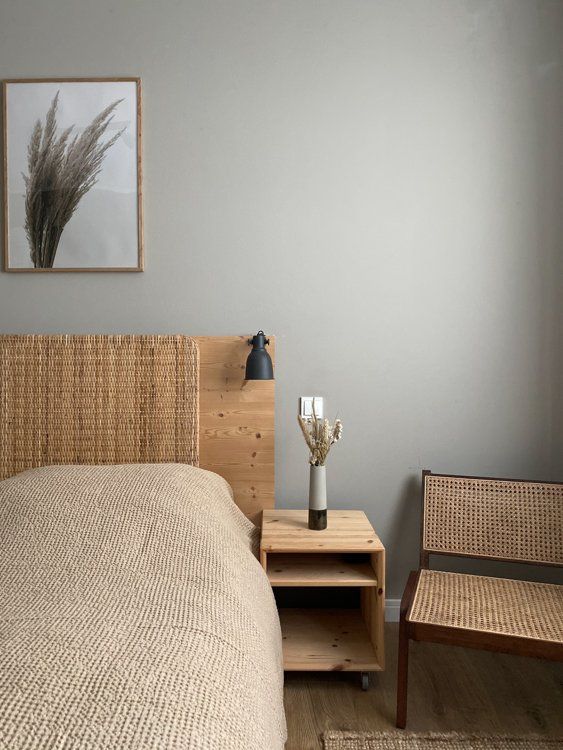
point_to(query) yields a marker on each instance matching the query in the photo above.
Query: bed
(133, 610)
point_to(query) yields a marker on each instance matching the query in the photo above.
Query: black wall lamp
(259, 363)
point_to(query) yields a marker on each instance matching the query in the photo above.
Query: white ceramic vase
(317, 498)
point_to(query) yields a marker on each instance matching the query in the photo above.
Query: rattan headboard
(97, 400)
(134, 399)
(502, 519)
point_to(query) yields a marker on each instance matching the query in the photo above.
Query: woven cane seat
(494, 605)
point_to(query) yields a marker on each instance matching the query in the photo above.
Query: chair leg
(402, 673)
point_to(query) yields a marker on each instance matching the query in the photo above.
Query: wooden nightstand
(330, 589)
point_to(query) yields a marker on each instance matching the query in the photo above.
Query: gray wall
(376, 182)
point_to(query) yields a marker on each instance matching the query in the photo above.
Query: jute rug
(450, 741)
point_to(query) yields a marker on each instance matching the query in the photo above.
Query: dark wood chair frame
(415, 631)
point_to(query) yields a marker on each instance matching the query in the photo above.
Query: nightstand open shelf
(324, 569)
(334, 631)
(326, 640)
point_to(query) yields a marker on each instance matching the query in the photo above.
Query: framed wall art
(72, 175)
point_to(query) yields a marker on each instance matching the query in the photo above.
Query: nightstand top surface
(347, 531)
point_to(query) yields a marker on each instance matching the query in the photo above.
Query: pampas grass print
(61, 170)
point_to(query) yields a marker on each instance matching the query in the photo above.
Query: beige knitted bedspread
(134, 614)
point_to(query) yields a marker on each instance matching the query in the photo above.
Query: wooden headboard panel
(236, 422)
(133, 399)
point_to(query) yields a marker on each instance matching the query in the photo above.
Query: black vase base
(317, 519)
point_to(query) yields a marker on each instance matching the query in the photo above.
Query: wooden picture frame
(130, 149)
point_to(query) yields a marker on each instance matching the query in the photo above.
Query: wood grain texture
(319, 570)
(451, 689)
(347, 531)
(236, 420)
(347, 554)
(326, 640)
(373, 607)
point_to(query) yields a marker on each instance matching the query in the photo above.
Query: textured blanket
(134, 614)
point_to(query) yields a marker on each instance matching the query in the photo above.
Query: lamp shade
(259, 363)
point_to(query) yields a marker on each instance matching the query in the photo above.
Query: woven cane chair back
(493, 518)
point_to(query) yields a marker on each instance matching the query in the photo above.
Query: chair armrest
(408, 593)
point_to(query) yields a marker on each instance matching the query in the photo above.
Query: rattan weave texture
(494, 518)
(97, 400)
(495, 605)
(434, 741)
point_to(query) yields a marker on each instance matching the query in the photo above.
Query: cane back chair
(488, 518)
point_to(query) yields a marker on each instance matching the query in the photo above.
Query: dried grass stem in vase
(320, 436)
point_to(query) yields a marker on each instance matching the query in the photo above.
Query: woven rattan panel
(494, 518)
(97, 400)
(494, 605)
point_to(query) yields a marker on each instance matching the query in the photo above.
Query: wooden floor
(450, 689)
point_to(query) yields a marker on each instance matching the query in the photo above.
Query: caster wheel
(365, 680)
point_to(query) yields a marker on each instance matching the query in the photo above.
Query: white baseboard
(392, 607)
